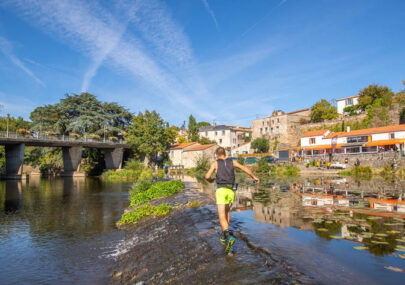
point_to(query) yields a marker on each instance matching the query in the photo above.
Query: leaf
(396, 269)
(360, 247)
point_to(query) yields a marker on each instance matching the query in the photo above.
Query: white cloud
(207, 7)
(96, 32)
(7, 49)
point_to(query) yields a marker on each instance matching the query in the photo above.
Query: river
(332, 230)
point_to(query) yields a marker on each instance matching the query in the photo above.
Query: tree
(192, 129)
(81, 113)
(182, 139)
(323, 110)
(375, 95)
(203, 124)
(204, 140)
(149, 134)
(261, 145)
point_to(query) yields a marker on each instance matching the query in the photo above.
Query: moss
(143, 211)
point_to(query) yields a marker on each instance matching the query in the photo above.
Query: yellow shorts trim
(224, 196)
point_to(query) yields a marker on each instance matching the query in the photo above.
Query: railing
(56, 138)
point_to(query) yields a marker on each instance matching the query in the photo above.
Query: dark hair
(220, 151)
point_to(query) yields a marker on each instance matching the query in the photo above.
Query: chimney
(214, 124)
(348, 129)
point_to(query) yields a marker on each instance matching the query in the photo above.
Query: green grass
(358, 172)
(140, 194)
(121, 175)
(143, 211)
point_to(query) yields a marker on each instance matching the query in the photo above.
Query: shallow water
(333, 229)
(59, 230)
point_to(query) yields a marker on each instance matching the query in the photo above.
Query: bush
(241, 160)
(121, 175)
(160, 189)
(202, 163)
(362, 171)
(263, 166)
(134, 164)
(144, 211)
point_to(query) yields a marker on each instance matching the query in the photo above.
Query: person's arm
(210, 171)
(246, 170)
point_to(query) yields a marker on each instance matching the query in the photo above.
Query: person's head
(220, 152)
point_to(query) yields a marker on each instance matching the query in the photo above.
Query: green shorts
(224, 196)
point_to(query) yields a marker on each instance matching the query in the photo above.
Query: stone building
(281, 127)
(176, 152)
(190, 155)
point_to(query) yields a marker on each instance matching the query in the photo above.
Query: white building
(176, 152)
(226, 136)
(345, 102)
(354, 142)
(242, 149)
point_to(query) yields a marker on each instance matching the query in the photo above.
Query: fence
(62, 138)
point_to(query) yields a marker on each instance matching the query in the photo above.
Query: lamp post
(8, 118)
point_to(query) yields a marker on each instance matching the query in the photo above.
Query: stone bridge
(71, 148)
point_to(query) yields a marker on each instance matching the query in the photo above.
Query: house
(281, 127)
(345, 102)
(191, 154)
(226, 136)
(242, 149)
(176, 152)
(354, 142)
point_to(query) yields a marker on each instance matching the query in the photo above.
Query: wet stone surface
(184, 248)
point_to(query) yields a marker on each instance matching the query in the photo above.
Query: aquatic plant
(158, 190)
(140, 212)
(121, 175)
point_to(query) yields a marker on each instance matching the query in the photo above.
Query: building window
(271, 130)
(261, 130)
(265, 129)
(278, 120)
(206, 134)
(349, 101)
(277, 129)
(357, 139)
(216, 133)
(312, 141)
(392, 136)
(220, 140)
(262, 123)
(223, 133)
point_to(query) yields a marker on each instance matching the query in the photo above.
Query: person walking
(225, 191)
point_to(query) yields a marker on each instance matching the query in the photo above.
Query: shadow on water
(327, 226)
(59, 230)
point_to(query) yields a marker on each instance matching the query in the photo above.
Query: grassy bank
(133, 171)
(145, 191)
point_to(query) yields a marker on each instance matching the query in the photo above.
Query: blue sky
(222, 60)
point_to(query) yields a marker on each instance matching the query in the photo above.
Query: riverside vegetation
(145, 191)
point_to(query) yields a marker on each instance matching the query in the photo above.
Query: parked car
(251, 160)
(270, 159)
(337, 165)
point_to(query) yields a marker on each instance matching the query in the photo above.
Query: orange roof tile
(337, 134)
(200, 147)
(314, 133)
(182, 145)
(370, 131)
(385, 142)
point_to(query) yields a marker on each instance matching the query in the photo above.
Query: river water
(58, 231)
(334, 230)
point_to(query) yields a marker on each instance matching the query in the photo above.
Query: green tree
(204, 140)
(375, 95)
(261, 145)
(203, 124)
(323, 110)
(13, 124)
(192, 129)
(149, 135)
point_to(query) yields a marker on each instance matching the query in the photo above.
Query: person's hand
(255, 179)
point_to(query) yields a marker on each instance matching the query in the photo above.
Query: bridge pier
(14, 160)
(72, 157)
(113, 158)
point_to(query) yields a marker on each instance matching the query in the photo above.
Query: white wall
(380, 137)
(341, 104)
(319, 140)
(241, 150)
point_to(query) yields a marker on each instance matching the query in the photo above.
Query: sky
(222, 60)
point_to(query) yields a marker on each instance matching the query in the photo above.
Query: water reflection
(57, 228)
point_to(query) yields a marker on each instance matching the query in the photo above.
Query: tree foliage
(261, 145)
(149, 134)
(13, 124)
(375, 95)
(204, 140)
(192, 129)
(323, 110)
(81, 113)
